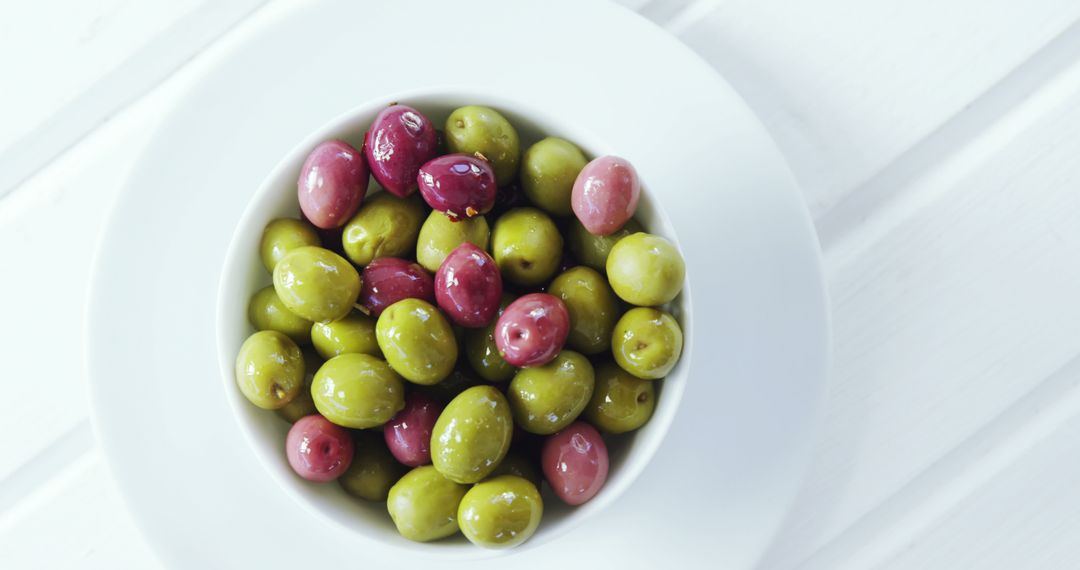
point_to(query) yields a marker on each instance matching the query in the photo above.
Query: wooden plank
(88, 65)
(846, 87)
(51, 225)
(1027, 516)
(949, 308)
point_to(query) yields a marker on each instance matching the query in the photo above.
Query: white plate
(721, 482)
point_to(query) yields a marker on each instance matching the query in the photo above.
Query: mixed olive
(453, 343)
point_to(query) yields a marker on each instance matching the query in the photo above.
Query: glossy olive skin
(645, 270)
(548, 171)
(373, 470)
(440, 235)
(575, 463)
(545, 399)
(647, 343)
(515, 463)
(472, 435)
(266, 312)
(501, 512)
(386, 226)
(332, 184)
(318, 450)
(408, 434)
(477, 129)
(398, 142)
(593, 250)
(592, 305)
(424, 504)
(483, 353)
(459, 185)
(269, 369)
(282, 236)
(606, 194)
(526, 246)
(316, 284)
(353, 334)
(417, 341)
(532, 329)
(357, 391)
(621, 402)
(388, 280)
(468, 286)
(302, 405)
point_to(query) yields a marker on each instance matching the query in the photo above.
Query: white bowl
(243, 274)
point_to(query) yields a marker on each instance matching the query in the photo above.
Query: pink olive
(332, 184)
(388, 280)
(460, 185)
(408, 434)
(399, 141)
(575, 463)
(532, 330)
(468, 286)
(605, 194)
(317, 449)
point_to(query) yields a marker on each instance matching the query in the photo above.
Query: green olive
(417, 341)
(500, 512)
(282, 236)
(303, 405)
(593, 250)
(482, 353)
(476, 129)
(647, 343)
(472, 435)
(316, 284)
(548, 171)
(373, 470)
(645, 270)
(423, 504)
(621, 401)
(592, 305)
(357, 391)
(269, 369)
(385, 226)
(267, 313)
(354, 333)
(547, 398)
(440, 235)
(526, 246)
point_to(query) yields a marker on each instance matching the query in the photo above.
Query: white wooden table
(938, 145)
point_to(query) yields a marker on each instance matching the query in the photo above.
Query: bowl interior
(243, 274)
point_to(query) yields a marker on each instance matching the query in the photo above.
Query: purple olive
(400, 140)
(332, 184)
(532, 330)
(408, 434)
(460, 185)
(468, 286)
(605, 194)
(575, 463)
(317, 449)
(388, 280)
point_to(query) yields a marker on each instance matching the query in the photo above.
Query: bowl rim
(252, 220)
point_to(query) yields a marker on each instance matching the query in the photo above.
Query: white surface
(769, 308)
(938, 454)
